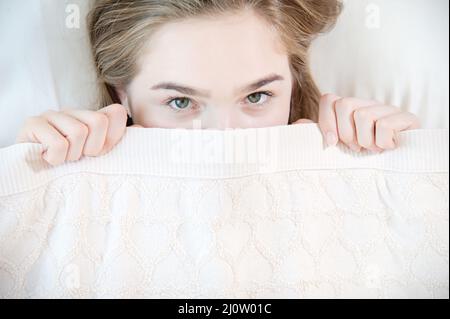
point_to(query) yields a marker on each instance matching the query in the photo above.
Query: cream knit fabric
(246, 213)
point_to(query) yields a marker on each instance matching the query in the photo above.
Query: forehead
(214, 49)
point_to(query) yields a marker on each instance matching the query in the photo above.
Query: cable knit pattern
(142, 224)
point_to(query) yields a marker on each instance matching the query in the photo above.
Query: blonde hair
(118, 30)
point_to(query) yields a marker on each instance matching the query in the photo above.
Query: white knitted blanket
(246, 213)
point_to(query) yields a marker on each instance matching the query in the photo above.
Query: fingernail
(331, 139)
(105, 150)
(395, 140)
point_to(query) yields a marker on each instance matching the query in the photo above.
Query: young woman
(210, 64)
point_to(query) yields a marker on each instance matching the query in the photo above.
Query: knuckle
(382, 124)
(362, 114)
(117, 108)
(99, 120)
(344, 104)
(118, 111)
(80, 132)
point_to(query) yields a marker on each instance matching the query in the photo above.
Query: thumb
(327, 118)
(117, 116)
(136, 125)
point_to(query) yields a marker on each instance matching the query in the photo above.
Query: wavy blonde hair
(118, 30)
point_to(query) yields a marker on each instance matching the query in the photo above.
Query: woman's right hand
(69, 134)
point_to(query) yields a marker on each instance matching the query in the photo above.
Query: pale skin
(183, 83)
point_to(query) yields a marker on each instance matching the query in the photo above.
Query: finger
(55, 145)
(386, 128)
(303, 121)
(365, 119)
(327, 118)
(345, 107)
(73, 130)
(117, 119)
(97, 124)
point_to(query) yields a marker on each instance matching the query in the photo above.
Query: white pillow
(404, 62)
(391, 51)
(45, 66)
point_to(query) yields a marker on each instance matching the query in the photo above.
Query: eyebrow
(197, 92)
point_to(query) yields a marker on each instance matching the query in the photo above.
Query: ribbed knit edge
(225, 154)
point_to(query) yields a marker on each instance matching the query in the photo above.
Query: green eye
(258, 97)
(254, 98)
(180, 103)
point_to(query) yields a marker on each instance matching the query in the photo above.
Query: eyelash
(173, 98)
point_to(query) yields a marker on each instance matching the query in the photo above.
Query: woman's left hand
(362, 123)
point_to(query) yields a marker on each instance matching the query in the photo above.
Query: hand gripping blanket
(244, 213)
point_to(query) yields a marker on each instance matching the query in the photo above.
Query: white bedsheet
(254, 213)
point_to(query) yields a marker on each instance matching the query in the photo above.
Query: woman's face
(228, 72)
